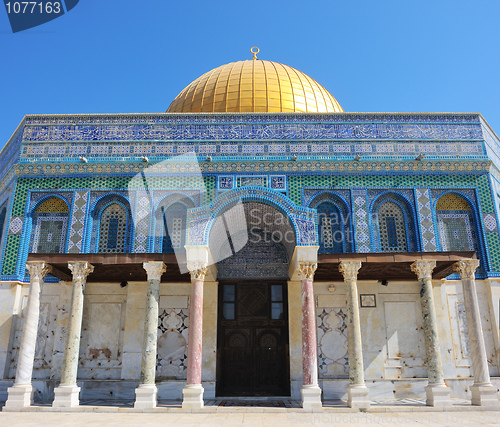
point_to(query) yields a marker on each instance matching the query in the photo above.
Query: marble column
(437, 392)
(483, 393)
(193, 392)
(357, 392)
(21, 393)
(146, 394)
(66, 395)
(311, 393)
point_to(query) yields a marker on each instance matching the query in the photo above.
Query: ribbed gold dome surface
(254, 86)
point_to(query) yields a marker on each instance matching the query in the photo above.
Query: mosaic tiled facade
(455, 151)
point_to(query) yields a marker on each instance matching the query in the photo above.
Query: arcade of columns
(66, 395)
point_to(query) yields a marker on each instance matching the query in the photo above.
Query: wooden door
(252, 357)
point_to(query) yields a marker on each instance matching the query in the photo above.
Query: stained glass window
(113, 229)
(392, 229)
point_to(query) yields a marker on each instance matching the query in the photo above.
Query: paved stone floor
(235, 419)
(267, 402)
(252, 412)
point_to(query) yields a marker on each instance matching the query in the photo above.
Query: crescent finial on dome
(255, 50)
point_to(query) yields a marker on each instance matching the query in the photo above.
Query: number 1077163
(25, 7)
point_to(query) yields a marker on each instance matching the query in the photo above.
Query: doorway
(252, 339)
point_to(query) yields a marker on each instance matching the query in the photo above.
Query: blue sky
(122, 56)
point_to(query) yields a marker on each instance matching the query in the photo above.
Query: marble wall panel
(9, 300)
(460, 335)
(405, 347)
(209, 354)
(295, 336)
(45, 336)
(101, 345)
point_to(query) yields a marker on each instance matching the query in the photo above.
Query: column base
(192, 396)
(20, 396)
(66, 396)
(438, 395)
(358, 396)
(484, 395)
(311, 397)
(146, 396)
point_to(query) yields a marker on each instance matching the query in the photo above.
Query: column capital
(466, 268)
(38, 269)
(80, 269)
(349, 269)
(306, 270)
(154, 269)
(423, 268)
(198, 270)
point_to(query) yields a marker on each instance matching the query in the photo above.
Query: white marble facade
(113, 321)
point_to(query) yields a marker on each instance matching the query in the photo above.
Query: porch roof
(374, 266)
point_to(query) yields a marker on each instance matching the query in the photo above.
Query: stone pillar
(437, 392)
(193, 392)
(21, 393)
(146, 394)
(483, 393)
(357, 392)
(66, 395)
(311, 393)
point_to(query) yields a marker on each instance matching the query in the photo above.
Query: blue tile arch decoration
(343, 205)
(410, 214)
(94, 217)
(470, 196)
(303, 220)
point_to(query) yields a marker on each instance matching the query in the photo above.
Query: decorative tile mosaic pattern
(424, 209)
(78, 221)
(456, 231)
(304, 219)
(490, 222)
(392, 232)
(108, 139)
(142, 219)
(16, 225)
(275, 128)
(113, 229)
(52, 205)
(128, 166)
(49, 236)
(361, 233)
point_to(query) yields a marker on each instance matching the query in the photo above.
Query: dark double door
(252, 357)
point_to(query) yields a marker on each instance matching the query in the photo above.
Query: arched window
(455, 224)
(391, 226)
(173, 223)
(50, 223)
(113, 229)
(3, 213)
(331, 236)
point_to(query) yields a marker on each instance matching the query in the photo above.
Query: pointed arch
(112, 227)
(457, 229)
(170, 223)
(334, 223)
(49, 218)
(393, 223)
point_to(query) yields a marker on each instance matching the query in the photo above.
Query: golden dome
(254, 86)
